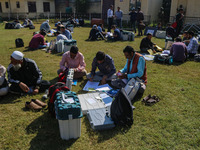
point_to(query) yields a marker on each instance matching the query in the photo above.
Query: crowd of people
(24, 75)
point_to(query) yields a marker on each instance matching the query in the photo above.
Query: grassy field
(173, 123)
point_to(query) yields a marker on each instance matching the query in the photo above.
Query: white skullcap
(17, 55)
(94, 26)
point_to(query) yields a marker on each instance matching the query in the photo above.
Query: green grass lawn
(173, 123)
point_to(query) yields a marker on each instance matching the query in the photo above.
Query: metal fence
(64, 16)
(188, 20)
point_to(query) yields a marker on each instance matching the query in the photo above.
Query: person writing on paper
(73, 59)
(135, 68)
(146, 43)
(106, 67)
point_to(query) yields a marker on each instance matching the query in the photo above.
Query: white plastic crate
(67, 47)
(124, 36)
(60, 46)
(160, 34)
(70, 129)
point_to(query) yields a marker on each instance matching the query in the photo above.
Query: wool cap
(17, 55)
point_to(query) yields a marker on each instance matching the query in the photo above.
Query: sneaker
(32, 105)
(38, 102)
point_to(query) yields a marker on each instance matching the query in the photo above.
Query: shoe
(32, 105)
(38, 102)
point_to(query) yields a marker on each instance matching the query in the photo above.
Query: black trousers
(110, 23)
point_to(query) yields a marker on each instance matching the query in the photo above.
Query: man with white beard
(23, 74)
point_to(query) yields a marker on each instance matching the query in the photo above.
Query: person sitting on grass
(135, 68)
(193, 45)
(170, 32)
(3, 82)
(178, 51)
(116, 35)
(73, 59)
(93, 33)
(101, 29)
(65, 32)
(60, 36)
(45, 26)
(186, 39)
(146, 43)
(23, 74)
(106, 67)
(37, 42)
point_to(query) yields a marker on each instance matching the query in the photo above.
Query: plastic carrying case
(99, 119)
(68, 112)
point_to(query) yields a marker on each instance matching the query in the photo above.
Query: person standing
(179, 21)
(133, 15)
(119, 15)
(139, 18)
(110, 17)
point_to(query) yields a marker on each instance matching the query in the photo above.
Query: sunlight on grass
(173, 123)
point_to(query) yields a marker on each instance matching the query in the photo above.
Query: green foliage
(82, 6)
(172, 123)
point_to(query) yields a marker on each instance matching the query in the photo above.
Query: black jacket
(146, 43)
(29, 73)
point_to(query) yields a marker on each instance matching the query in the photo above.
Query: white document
(149, 57)
(90, 85)
(91, 101)
(69, 100)
(106, 99)
(104, 87)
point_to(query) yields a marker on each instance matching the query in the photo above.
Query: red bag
(174, 25)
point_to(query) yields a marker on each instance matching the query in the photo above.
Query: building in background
(26, 8)
(191, 10)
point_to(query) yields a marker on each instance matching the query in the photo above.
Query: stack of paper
(92, 86)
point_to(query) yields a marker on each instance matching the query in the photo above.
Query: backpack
(132, 88)
(9, 25)
(19, 42)
(32, 27)
(121, 109)
(163, 59)
(53, 90)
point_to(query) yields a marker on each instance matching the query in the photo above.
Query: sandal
(152, 100)
(146, 98)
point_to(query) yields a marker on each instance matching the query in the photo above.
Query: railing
(188, 20)
(64, 16)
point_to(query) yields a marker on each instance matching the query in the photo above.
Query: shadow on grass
(105, 134)
(48, 135)
(10, 98)
(174, 63)
(54, 80)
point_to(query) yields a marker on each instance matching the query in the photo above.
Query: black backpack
(19, 42)
(163, 59)
(32, 27)
(121, 109)
(59, 86)
(9, 25)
